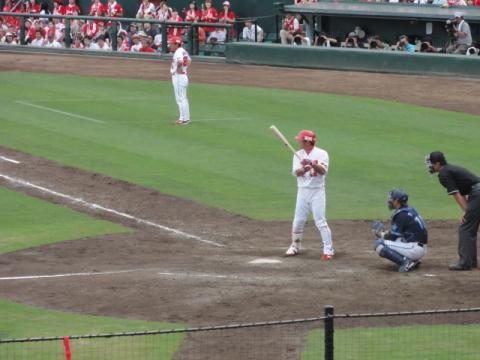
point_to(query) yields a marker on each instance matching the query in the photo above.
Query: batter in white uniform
(181, 62)
(310, 173)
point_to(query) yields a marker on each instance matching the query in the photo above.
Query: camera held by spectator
(459, 35)
(375, 43)
(351, 41)
(474, 50)
(404, 45)
(427, 47)
(324, 40)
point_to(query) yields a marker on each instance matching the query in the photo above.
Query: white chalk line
(37, 277)
(60, 112)
(170, 274)
(162, 121)
(94, 206)
(96, 99)
(46, 108)
(9, 160)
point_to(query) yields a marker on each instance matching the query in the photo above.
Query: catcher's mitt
(378, 228)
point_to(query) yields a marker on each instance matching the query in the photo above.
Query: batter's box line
(97, 207)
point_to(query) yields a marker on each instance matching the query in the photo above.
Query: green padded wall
(351, 59)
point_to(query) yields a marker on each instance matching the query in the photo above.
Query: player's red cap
(175, 41)
(306, 135)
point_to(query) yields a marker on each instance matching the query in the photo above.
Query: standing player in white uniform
(181, 62)
(310, 174)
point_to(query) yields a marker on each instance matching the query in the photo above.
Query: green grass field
(228, 158)
(20, 321)
(27, 222)
(436, 342)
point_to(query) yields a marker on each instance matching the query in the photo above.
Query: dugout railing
(115, 23)
(432, 334)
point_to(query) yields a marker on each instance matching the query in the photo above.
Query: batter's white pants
(312, 200)
(411, 250)
(180, 85)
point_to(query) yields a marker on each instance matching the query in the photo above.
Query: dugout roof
(384, 11)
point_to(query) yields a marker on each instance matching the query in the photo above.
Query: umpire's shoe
(458, 267)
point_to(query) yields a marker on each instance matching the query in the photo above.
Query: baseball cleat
(407, 265)
(183, 122)
(179, 122)
(292, 250)
(327, 257)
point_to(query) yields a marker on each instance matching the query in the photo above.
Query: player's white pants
(180, 85)
(312, 199)
(411, 250)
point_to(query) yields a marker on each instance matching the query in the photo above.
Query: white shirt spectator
(146, 11)
(248, 34)
(219, 34)
(100, 46)
(136, 47)
(38, 42)
(157, 41)
(54, 44)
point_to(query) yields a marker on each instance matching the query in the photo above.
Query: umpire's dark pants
(467, 244)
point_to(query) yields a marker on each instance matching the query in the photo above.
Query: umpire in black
(464, 186)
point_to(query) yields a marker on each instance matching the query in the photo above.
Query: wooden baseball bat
(284, 140)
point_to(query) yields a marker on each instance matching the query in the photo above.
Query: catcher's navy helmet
(399, 195)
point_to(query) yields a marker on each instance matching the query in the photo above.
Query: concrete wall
(351, 59)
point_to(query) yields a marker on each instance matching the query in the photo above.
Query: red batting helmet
(306, 135)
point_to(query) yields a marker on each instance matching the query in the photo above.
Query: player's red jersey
(96, 9)
(209, 16)
(175, 31)
(114, 9)
(146, 50)
(194, 15)
(32, 31)
(224, 17)
(90, 29)
(71, 10)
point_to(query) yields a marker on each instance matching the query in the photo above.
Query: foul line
(36, 277)
(61, 112)
(94, 206)
(9, 160)
(97, 273)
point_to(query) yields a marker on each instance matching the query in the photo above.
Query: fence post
(329, 330)
(164, 39)
(190, 36)
(113, 35)
(68, 38)
(22, 31)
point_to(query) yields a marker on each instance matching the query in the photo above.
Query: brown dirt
(356, 281)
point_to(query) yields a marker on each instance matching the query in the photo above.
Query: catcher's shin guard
(388, 253)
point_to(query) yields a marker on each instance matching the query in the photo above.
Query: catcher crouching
(406, 241)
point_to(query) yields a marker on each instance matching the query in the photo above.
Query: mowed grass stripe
(439, 342)
(21, 321)
(27, 222)
(238, 165)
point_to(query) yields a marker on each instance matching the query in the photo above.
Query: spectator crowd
(420, 2)
(296, 30)
(44, 31)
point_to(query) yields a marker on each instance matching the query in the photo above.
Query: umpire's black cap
(437, 157)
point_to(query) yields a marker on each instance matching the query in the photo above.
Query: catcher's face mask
(390, 202)
(428, 164)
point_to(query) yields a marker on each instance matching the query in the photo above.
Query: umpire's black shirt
(457, 179)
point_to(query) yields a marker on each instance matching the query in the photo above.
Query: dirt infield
(179, 279)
